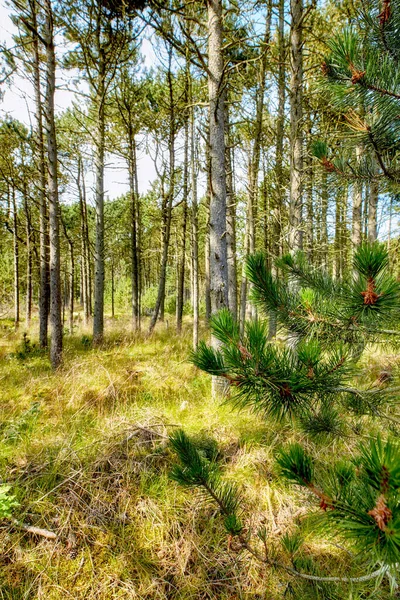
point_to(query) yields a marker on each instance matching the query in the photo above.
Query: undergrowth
(85, 454)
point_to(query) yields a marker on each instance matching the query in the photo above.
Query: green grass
(85, 452)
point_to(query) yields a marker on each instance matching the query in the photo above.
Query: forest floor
(85, 452)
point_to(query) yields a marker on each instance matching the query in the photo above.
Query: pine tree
(362, 81)
(309, 383)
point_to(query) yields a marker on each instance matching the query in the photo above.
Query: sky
(18, 102)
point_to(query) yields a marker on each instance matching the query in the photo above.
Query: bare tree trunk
(28, 303)
(310, 224)
(84, 247)
(44, 291)
(372, 211)
(207, 237)
(16, 261)
(181, 263)
(218, 249)
(138, 241)
(296, 118)
(195, 233)
(55, 280)
(230, 220)
(112, 290)
(254, 164)
(324, 218)
(70, 297)
(167, 204)
(357, 206)
(98, 316)
(134, 232)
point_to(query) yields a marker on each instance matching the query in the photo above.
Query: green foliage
(362, 505)
(7, 502)
(296, 465)
(195, 470)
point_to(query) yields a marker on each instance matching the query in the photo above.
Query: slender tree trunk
(310, 224)
(324, 218)
(181, 263)
(44, 290)
(296, 118)
(84, 247)
(357, 206)
(167, 204)
(138, 240)
(207, 237)
(134, 231)
(16, 261)
(28, 302)
(230, 220)
(254, 164)
(55, 280)
(195, 233)
(372, 211)
(218, 247)
(98, 316)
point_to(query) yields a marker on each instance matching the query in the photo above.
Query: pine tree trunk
(138, 240)
(71, 289)
(207, 237)
(357, 206)
(296, 117)
(372, 211)
(98, 316)
(181, 263)
(28, 296)
(310, 225)
(54, 227)
(134, 231)
(84, 247)
(218, 248)
(195, 233)
(324, 218)
(230, 220)
(44, 290)
(167, 205)
(16, 261)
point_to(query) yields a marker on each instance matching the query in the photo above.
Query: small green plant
(7, 502)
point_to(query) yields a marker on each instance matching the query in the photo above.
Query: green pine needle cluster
(361, 501)
(195, 470)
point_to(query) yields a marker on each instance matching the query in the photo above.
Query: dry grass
(86, 453)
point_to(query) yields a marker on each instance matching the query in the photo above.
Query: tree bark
(134, 231)
(16, 261)
(181, 262)
(230, 219)
(44, 289)
(28, 296)
(357, 206)
(55, 279)
(218, 246)
(195, 233)
(373, 210)
(296, 118)
(98, 315)
(167, 203)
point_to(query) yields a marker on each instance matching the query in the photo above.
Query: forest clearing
(85, 451)
(199, 299)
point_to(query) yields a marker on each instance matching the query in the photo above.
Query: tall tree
(296, 124)
(54, 226)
